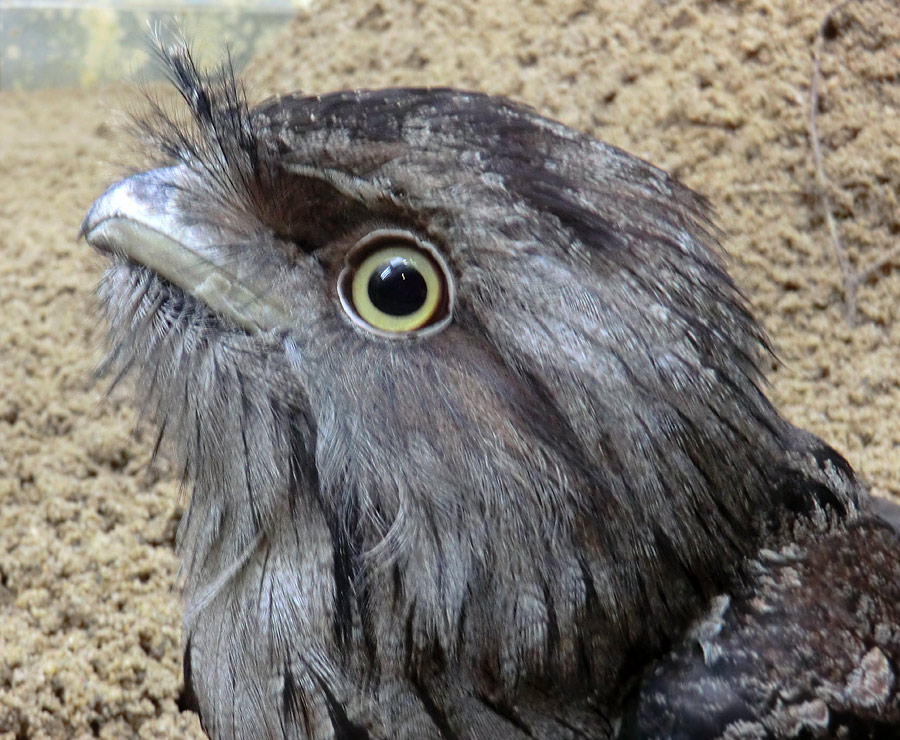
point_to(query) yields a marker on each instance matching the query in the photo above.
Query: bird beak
(139, 219)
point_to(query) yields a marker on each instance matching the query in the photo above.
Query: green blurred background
(82, 44)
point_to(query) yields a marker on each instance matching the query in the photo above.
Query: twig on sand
(852, 278)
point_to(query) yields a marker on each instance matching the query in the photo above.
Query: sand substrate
(715, 92)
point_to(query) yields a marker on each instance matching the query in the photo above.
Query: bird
(475, 426)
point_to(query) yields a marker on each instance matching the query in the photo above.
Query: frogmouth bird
(474, 421)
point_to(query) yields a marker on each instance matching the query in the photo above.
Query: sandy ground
(716, 92)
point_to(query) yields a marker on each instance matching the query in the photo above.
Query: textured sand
(716, 92)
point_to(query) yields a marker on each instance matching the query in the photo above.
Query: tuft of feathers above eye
(220, 140)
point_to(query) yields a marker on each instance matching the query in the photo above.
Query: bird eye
(393, 284)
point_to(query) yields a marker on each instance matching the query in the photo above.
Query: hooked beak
(139, 219)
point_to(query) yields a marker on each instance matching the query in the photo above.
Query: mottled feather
(492, 531)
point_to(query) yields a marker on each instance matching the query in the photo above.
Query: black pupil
(397, 288)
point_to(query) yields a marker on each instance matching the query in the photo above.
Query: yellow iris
(410, 275)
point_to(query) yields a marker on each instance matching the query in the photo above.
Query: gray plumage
(496, 525)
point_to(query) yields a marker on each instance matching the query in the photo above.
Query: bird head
(487, 372)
